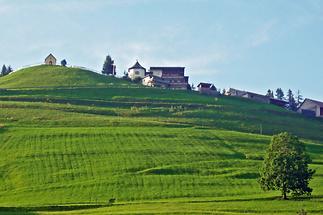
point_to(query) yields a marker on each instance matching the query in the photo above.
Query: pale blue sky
(247, 44)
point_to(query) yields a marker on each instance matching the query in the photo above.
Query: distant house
(257, 97)
(169, 77)
(207, 89)
(50, 60)
(249, 95)
(311, 108)
(136, 71)
(235, 92)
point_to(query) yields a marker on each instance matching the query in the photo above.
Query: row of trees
(293, 100)
(5, 70)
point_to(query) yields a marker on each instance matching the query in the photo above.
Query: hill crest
(57, 76)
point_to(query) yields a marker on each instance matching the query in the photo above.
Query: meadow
(69, 149)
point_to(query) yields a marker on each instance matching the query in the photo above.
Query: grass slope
(69, 150)
(55, 76)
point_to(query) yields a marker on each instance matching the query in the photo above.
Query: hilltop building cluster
(175, 78)
(308, 107)
(164, 77)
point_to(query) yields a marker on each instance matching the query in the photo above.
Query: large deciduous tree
(285, 167)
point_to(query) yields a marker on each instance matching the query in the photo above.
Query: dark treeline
(5, 70)
(294, 101)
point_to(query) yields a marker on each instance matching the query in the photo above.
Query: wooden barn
(248, 95)
(207, 89)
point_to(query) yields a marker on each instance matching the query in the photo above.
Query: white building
(136, 71)
(50, 60)
(311, 108)
(148, 81)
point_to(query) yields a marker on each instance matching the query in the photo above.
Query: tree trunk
(284, 195)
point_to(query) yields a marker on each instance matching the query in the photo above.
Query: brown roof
(205, 85)
(50, 55)
(137, 66)
(314, 101)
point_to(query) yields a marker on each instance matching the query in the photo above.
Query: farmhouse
(169, 77)
(249, 95)
(207, 89)
(136, 71)
(235, 92)
(311, 108)
(50, 60)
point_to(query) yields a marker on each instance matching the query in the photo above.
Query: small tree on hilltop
(4, 70)
(64, 62)
(285, 167)
(108, 66)
(299, 98)
(270, 93)
(280, 94)
(9, 70)
(291, 101)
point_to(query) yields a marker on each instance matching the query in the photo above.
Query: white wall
(136, 73)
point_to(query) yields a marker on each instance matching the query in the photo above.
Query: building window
(136, 72)
(321, 110)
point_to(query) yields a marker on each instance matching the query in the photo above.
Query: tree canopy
(285, 167)
(108, 66)
(280, 94)
(6, 70)
(291, 100)
(64, 62)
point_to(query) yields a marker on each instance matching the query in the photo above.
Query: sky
(252, 45)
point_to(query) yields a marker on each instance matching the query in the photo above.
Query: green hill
(56, 76)
(69, 149)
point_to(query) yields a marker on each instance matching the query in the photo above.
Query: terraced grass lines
(55, 166)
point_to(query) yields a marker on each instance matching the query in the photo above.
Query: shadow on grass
(33, 210)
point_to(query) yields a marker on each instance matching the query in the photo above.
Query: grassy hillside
(56, 76)
(67, 150)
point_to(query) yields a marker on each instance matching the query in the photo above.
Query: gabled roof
(137, 66)
(167, 67)
(313, 101)
(205, 85)
(51, 55)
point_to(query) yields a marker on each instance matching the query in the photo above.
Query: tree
(192, 86)
(9, 70)
(279, 94)
(299, 98)
(64, 62)
(285, 167)
(270, 93)
(108, 66)
(4, 70)
(291, 101)
(125, 75)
